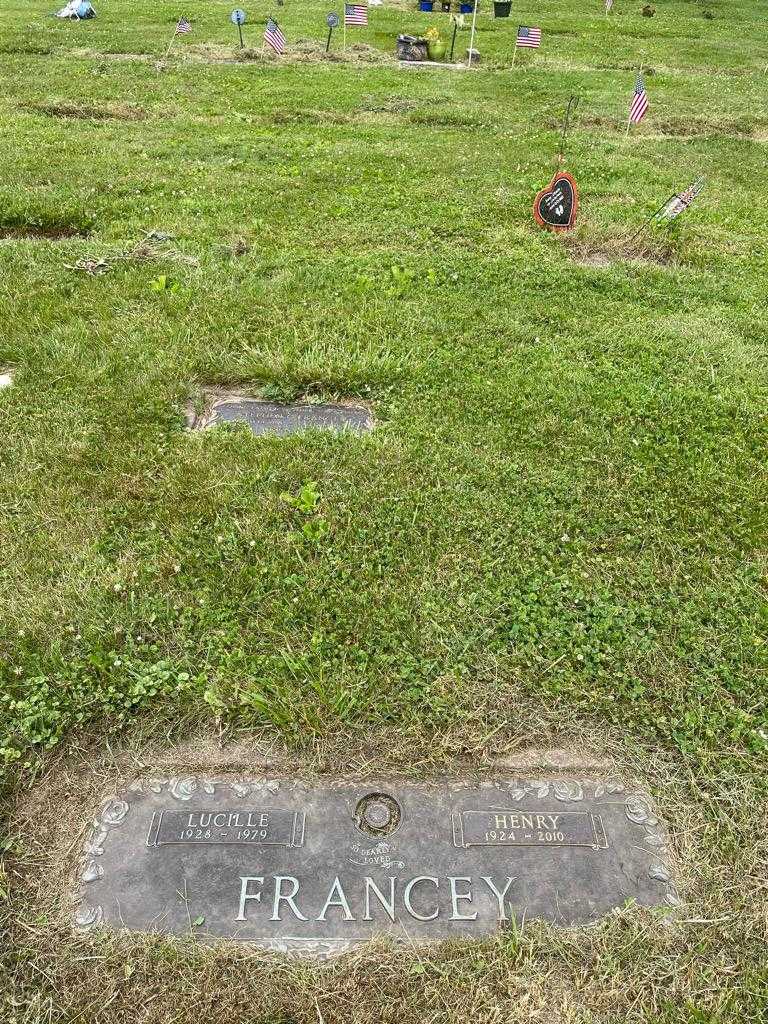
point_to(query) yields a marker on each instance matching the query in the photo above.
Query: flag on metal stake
(181, 28)
(675, 206)
(273, 35)
(638, 108)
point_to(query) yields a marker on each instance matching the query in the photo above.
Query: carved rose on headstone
(639, 811)
(659, 873)
(114, 812)
(88, 917)
(92, 871)
(183, 789)
(567, 790)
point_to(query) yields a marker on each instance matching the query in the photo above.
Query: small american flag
(528, 36)
(639, 106)
(356, 14)
(183, 26)
(274, 36)
(681, 201)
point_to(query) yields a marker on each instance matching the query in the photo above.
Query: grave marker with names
(284, 418)
(316, 869)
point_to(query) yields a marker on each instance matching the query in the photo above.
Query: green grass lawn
(555, 536)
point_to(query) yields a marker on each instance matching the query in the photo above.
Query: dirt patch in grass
(388, 104)
(88, 54)
(313, 117)
(602, 253)
(67, 109)
(674, 127)
(446, 119)
(26, 51)
(303, 51)
(50, 230)
(589, 120)
(694, 127)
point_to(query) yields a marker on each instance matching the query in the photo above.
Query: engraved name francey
(423, 897)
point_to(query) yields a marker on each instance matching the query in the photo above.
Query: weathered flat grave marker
(287, 418)
(315, 869)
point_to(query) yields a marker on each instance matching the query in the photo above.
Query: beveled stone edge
(638, 807)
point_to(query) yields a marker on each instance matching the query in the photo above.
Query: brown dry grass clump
(303, 51)
(68, 109)
(603, 252)
(51, 232)
(87, 53)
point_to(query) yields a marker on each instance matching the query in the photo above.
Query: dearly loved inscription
(314, 870)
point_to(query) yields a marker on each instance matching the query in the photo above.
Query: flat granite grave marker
(315, 869)
(283, 418)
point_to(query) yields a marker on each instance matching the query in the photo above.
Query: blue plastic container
(466, 8)
(426, 5)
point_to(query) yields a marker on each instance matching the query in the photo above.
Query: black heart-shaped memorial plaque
(556, 205)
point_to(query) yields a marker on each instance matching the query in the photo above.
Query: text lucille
(424, 898)
(228, 819)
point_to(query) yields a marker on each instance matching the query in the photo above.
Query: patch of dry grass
(604, 252)
(302, 51)
(70, 110)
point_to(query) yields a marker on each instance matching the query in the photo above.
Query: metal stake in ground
(673, 206)
(573, 102)
(332, 21)
(653, 216)
(237, 17)
(181, 28)
(453, 41)
(472, 35)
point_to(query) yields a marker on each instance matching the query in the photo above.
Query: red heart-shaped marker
(556, 205)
